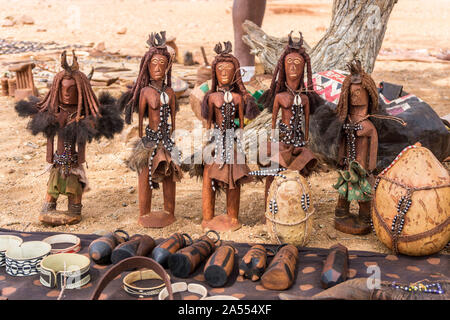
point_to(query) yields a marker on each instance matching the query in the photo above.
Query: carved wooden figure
(227, 100)
(24, 80)
(72, 113)
(357, 151)
(155, 156)
(289, 95)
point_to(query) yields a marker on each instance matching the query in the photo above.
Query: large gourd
(289, 209)
(411, 212)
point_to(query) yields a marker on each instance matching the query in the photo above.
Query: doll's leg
(145, 193)
(208, 198)
(233, 202)
(74, 204)
(342, 208)
(155, 219)
(364, 213)
(49, 204)
(169, 191)
(345, 222)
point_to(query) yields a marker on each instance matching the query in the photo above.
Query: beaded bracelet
(426, 288)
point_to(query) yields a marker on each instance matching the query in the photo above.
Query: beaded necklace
(67, 159)
(350, 138)
(162, 134)
(224, 143)
(293, 134)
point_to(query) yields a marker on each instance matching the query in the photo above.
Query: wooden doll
(289, 94)
(155, 156)
(72, 113)
(228, 99)
(357, 150)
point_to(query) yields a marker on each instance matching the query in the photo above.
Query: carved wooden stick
(335, 268)
(281, 271)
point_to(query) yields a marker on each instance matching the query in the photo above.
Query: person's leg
(252, 10)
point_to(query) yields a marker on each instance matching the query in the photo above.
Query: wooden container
(426, 224)
(280, 274)
(219, 266)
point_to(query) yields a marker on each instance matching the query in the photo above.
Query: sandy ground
(112, 202)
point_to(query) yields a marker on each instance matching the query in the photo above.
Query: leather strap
(132, 263)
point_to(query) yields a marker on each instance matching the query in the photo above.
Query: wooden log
(357, 26)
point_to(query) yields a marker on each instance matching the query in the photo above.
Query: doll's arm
(306, 111)
(81, 153)
(373, 149)
(50, 149)
(241, 107)
(341, 152)
(142, 108)
(173, 110)
(275, 109)
(210, 114)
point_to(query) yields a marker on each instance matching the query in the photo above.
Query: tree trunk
(357, 27)
(267, 48)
